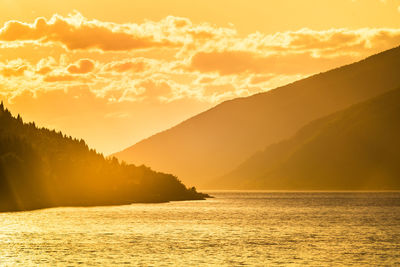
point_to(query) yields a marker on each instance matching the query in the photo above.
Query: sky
(115, 72)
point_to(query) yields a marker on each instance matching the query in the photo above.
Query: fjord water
(234, 228)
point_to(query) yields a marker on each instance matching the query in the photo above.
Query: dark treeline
(43, 168)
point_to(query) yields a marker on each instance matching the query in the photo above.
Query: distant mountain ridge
(358, 148)
(216, 141)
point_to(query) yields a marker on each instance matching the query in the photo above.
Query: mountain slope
(40, 168)
(358, 148)
(214, 142)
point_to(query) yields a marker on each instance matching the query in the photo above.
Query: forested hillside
(43, 168)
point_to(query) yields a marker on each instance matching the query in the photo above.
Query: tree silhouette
(44, 168)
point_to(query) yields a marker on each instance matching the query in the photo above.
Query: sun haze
(115, 72)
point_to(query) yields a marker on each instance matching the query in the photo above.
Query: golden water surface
(233, 229)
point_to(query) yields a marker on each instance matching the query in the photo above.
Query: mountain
(40, 168)
(214, 142)
(358, 148)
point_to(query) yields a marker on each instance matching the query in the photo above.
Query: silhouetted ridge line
(216, 141)
(42, 168)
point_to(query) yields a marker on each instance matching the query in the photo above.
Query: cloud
(76, 32)
(256, 79)
(206, 80)
(327, 43)
(127, 65)
(157, 88)
(60, 78)
(13, 71)
(154, 89)
(182, 38)
(83, 66)
(293, 52)
(307, 39)
(44, 70)
(170, 59)
(237, 62)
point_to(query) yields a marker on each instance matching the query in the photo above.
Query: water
(235, 228)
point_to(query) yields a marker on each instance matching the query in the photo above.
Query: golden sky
(114, 72)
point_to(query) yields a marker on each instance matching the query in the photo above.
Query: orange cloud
(76, 32)
(44, 70)
(130, 65)
(83, 66)
(333, 42)
(184, 38)
(321, 40)
(60, 78)
(186, 60)
(260, 78)
(155, 88)
(206, 80)
(237, 62)
(13, 71)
